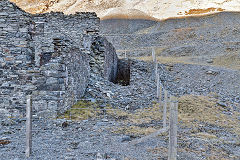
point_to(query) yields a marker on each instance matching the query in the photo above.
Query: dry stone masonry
(50, 56)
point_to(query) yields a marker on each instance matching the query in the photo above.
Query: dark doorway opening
(123, 72)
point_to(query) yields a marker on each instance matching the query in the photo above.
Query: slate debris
(191, 79)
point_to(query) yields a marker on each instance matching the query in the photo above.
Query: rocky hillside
(159, 9)
(208, 40)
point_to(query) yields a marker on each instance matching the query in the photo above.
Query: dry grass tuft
(82, 110)
(159, 150)
(135, 130)
(196, 110)
(136, 119)
(167, 59)
(228, 61)
(139, 116)
(203, 11)
(204, 135)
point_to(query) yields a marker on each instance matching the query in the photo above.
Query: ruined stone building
(51, 57)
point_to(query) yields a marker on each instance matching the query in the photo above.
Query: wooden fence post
(160, 93)
(165, 108)
(156, 70)
(29, 126)
(155, 63)
(153, 55)
(158, 87)
(172, 149)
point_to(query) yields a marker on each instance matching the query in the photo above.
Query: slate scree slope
(51, 57)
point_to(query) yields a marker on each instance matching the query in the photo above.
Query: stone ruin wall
(51, 57)
(15, 58)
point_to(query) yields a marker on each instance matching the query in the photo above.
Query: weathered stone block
(40, 105)
(53, 105)
(47, 114)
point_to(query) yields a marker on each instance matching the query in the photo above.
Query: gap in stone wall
(123, 73)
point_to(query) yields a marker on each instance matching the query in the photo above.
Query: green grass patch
(82, 110)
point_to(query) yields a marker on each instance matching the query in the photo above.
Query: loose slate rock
(126, 139)
(212, 72)
(222, 104)
(65, 125)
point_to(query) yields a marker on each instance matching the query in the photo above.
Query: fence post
(29, 126)
(153, 55)
(158, 87)
(160, 92)
(156, 70)
(172, 149)
(155, 63)
(165, 108)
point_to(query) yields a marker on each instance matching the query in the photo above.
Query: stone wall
(15, 58)
(104, 60)
(50, 56)
(61, 78)
(81, 28)
(62, 46)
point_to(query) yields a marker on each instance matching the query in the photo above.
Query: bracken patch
(202, 11)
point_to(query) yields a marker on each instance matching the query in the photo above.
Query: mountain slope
(207, 40)
(160, 9)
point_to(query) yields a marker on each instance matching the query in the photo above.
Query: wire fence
(42, 138)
